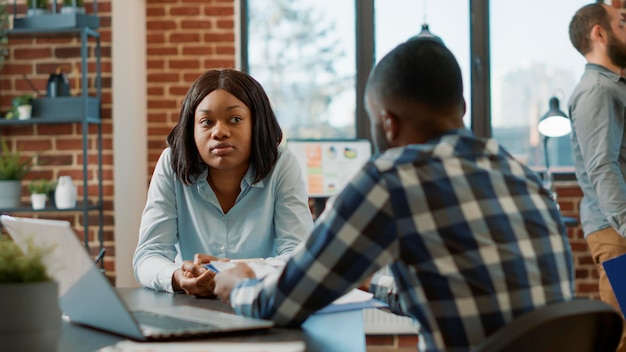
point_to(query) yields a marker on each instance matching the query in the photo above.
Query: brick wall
(59, 146)
(184, 39)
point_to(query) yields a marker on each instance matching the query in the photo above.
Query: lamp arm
(547, 161)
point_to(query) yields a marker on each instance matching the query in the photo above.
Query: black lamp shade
(426, 34)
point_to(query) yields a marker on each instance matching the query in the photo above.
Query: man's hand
(200, 259)
(194, 279)
(226, 280)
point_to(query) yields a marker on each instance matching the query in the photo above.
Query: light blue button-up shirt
(598, 111)
(269, 218)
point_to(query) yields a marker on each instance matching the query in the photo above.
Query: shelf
(60, 110)
(56, 21)
(29, 209)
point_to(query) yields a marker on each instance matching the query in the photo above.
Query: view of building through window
(532, 60)
(303, 53)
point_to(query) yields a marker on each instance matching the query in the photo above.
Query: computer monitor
(328, 165)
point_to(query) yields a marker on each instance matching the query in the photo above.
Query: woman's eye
(236, 119)
(206, 122)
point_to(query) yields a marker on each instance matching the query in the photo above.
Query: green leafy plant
(19, 266)
(39, 4)
(12, 165)
(40, 186)
(69, 3)
(24, 99)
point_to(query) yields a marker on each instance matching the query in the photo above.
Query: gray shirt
(597, 109)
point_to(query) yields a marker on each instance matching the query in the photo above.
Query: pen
(99, 256)
(247, 260)
(211, 267)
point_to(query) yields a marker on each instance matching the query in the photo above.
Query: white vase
(38, 200)
(24, 112)
(65, 193)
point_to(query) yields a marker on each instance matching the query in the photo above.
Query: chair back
(579, 325)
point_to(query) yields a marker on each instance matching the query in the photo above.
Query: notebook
(86, 296)
(615, 269)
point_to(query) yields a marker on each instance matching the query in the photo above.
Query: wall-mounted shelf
(83, 109)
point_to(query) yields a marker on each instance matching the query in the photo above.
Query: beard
(616, 51)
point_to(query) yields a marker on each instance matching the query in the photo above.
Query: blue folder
(615, 269)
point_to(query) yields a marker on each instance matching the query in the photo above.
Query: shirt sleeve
(293, 220)
(384, 288)
(354, 237)
(154, 258)
(599, 123)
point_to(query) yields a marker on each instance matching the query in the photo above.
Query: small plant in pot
(73, 6)
(13, 168)
(31, 318)
(21, 107)
(39, 190)
(37, 7)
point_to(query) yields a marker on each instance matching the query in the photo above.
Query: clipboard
(615, 269)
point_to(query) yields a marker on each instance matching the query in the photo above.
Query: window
(303, 53)
(398, 20)
(514, 57)
(530, 63)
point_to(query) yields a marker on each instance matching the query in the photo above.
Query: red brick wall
(59, 146)
(184, 39)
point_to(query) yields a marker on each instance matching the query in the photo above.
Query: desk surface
(341, 331)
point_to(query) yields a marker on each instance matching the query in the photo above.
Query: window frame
(480, 72)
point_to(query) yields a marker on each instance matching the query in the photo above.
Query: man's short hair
(420, 70)
(582, 22)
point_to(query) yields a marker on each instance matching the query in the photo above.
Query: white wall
(128, 25)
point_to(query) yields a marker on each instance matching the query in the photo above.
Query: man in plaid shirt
(470, 237)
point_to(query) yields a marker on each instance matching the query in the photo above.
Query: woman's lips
(222, 150)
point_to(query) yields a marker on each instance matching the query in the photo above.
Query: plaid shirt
(469, 236)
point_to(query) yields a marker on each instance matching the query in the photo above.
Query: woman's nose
(220, 130)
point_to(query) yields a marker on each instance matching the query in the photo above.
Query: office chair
(579, 325)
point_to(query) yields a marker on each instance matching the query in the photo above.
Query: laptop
(615, 269)
(86, 296)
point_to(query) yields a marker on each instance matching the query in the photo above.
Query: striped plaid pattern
(467, 237)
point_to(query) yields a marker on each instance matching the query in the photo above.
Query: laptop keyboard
(152, 321)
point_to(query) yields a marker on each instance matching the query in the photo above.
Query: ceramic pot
(38, 200)
(24, 112)
(65, 193)
(10, 193)
(31, 318)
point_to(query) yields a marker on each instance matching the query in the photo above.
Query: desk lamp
(554, 123)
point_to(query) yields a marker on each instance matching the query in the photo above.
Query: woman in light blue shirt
(224, 187)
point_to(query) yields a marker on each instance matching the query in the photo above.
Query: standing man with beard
(471, 238)
(597, 108)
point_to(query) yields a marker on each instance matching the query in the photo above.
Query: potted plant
(73, 6)
(31, 318)
(21, 107)
(13, 168)
(37, 7)
(39, 190)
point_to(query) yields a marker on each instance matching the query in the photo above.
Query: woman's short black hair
(266, 132)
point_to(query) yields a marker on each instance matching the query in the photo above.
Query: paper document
(261, 267)
(355, 299)
(131, 346)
